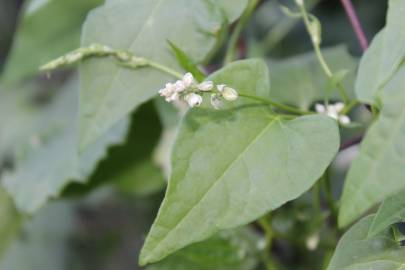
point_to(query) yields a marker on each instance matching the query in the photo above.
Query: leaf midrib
(265, 129)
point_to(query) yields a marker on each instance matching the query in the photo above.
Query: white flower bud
(229, 94)
(221, 87)
(193, 100)
(216, 101)
(319, 108)
(188, 79)
(344, 119)
(299, 2)
(179, 86)
(173, 97)
(206, 86)
(338, 106)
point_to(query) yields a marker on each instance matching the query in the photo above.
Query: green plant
(250, 151)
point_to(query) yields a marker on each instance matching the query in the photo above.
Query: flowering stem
(355, 22)
(275, 104)
(230, 54)
(319, 55)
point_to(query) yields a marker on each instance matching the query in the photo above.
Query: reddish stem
(355, 22)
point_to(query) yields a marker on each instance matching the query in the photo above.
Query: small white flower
(229, 94)
(188, 79)
(344, 119)
(333, 111)
(216, 101)
(179, 86)
(221, 87)
(173, 97)
(206, 86)
(319, 108)
(193, 100)
(338, 106)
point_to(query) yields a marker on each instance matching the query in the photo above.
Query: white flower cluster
(333, 111)
(189, 90)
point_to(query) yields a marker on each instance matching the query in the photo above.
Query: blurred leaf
(43, 241)
(300, 80)
(109, 92)
(391, 211)
(9, 222)
(385, 55)
(186, 63)
(231, 166)
(357, 252)
(228, 250)
(130, 165)
(378, 171)
(233, 9)
(46, 30)
(47, 160)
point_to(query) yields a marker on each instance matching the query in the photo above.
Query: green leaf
(43, 241)
(46, 30)
(300, 81)
(233, 9)
(186, 63)
(357, 252)
(232, 166)
(391, 211)
(228, 250)
(9, 223)
(47, 159)
(130, 165)
(385, 55)
(378, 171)
(109, 92)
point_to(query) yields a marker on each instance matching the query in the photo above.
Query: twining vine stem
(355, 22)
(316, 44)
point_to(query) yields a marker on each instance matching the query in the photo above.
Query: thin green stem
(165, 69)
(327, 185)
(275, 104)
(231, 50)
(350, 106)
(321, 59)
(268, 235)
(280, 31)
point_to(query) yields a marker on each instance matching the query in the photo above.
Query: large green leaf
(378, 171)
(357, 252)
(228, 250)
(46, 30)
(109, 92)
(385, 55)
(232, 166)
(300, 80)
(47, 159)
(391, 211)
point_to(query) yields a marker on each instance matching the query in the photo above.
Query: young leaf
(109, 92)
(47, 159)
(391, 211)
(357, 252)
(46, 30)
(300, 81)
(378, 171)
(385, 55)
(228, 250)
(186, 63)
(232, 166)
